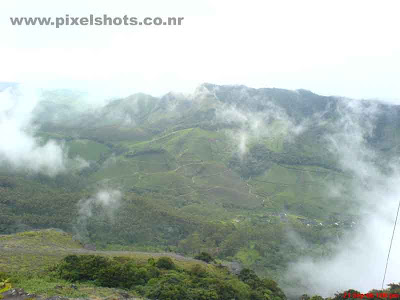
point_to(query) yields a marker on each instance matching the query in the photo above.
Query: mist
(252, 126)
(360, 256)
(19, 148)
(103, 204)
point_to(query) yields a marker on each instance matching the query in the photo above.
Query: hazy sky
(349, 48)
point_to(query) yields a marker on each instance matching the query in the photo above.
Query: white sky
(349, 48)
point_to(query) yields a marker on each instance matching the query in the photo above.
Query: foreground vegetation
(162, 279)
(42, 262)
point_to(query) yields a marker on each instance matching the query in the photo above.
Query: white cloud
(18, 147)
(108, 200)
(360, 256)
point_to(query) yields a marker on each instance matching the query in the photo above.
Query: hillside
(39, 262)
(257, 176)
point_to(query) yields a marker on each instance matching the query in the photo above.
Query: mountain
(258, 176)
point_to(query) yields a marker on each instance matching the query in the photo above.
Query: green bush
(165, 263)
(169, 287)
(82, 268)
(163, 280)
(104, 271)
(151, 261)
(5, 284)
(250, 277)
(123, 276)
(198, 271)
(204, 256)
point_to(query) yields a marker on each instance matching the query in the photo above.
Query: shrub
(204, 256)
(169, 287)
(82, 268)
(198, 271)
(165, 263)
(305, 297)
(5, 285)
(250, 277)
(122, 273)
(151, 261)
(124, 276)
(170, 283)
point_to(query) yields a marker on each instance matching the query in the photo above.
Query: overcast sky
(349, 48)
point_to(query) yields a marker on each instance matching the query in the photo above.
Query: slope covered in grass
(47, 262)
(230, 170)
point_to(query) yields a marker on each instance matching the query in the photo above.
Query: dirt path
(98, 252)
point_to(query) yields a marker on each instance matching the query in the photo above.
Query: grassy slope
(189, 171)
(47, 247)
(27, 256)
(193, 164)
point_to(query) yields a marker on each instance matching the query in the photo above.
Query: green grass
(37, 250)
(87, 149)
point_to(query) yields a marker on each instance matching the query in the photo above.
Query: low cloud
(272, 122)
(19, 149)
(103, 204)
(360, 256)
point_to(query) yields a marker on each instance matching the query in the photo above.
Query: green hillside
(46, 262)
(229, 170)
